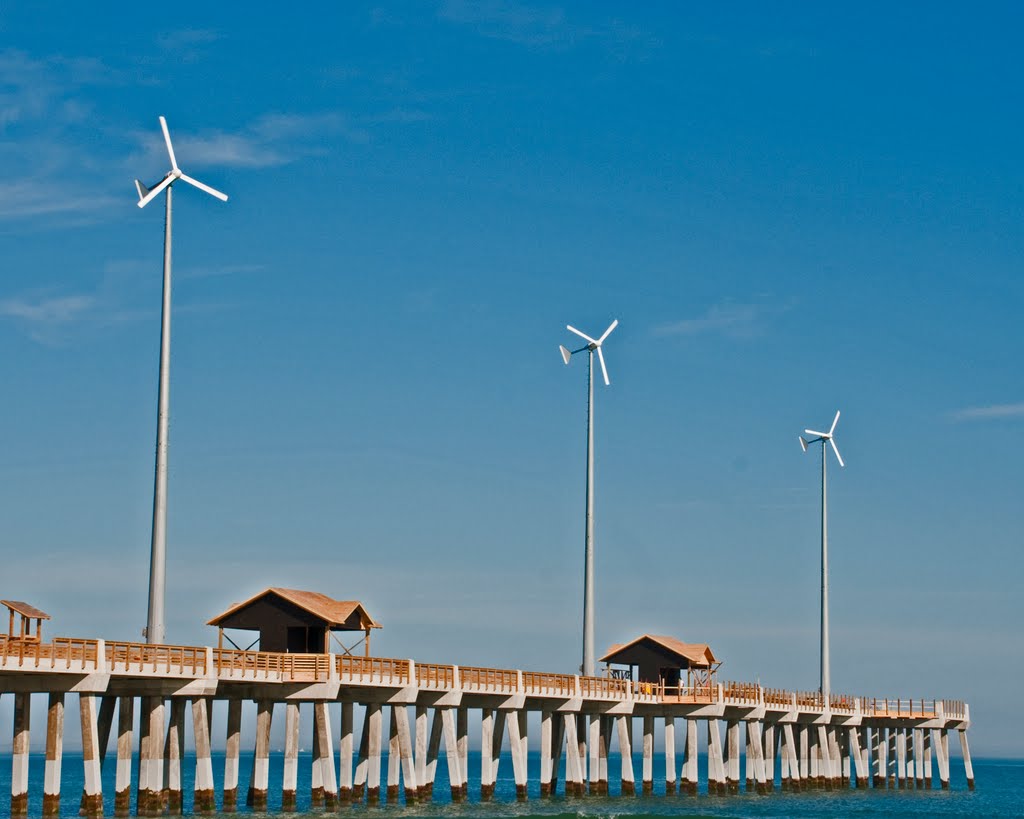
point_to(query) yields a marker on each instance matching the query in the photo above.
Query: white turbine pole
(593, 345)
(825, 681)
(588, 561)
(155, 622)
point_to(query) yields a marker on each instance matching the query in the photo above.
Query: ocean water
(999, 792)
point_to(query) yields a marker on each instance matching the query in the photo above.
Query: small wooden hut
(662, 660)
(28, 614)
(294, 621)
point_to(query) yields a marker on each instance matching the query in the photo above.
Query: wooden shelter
(662, 660)
(294, 621)
(28, 614)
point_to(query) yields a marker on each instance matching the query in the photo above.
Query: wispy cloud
(729, 319)
(24, 198)
(993, 412)
(537, 26)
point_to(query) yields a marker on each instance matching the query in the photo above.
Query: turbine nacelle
(592, 345)
(823, 437)
(147, 195)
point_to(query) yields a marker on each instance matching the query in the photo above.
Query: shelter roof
(25, 610)
(696, 654)
(332, 612)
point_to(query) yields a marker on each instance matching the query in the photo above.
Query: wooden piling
(232, 749)
(257, 798)
(93, 786)
(688, 780)
(174, 750)
(966, 751)
(325, 754)
(54, 754)
(376, 723)
(647, 765)
(290, 776)
(203, 798)
(670, 755)
(345, 754)
(394, 757)
(518, 760)
(123, 774)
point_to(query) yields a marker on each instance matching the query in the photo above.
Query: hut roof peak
(332, 612)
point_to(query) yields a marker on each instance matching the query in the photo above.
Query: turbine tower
(824, 437)
(155, 621)
(592, 346)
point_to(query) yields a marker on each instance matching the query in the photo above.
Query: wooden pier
(796, 737)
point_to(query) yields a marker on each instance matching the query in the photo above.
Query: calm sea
(1000, 792)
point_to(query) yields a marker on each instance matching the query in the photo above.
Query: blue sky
(790, 211)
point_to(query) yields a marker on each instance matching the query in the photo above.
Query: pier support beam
(92, 803)
(859, 752)
(203, 798)
(451, 753)
(487, 753)
(595, 728)
(688, 780)
(647, 767)
(362, 761)
(173, 752)
(881, 765)
(462, 726)
(546, 763)
(257, 797)
(516, 721)
(942, 758)
(804, 735)
(394, 757)
(123, 774)
(573, 767)
(422, 727)
(968, 767)
(232, 749)
(54, 755)
(732, 755)
(290, 776)
(433, 750)
(405, 752)
(375, 721)
(756, 750)
(345, 754)
(149, 801)
(557, 741)
(716, 766)
(325, 752)
(792, 759)
(670, 755)
(770, 752)
(928, 774)
(624, 724)
(316, 775)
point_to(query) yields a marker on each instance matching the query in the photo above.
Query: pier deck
(887, 742)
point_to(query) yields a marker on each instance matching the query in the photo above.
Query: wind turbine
(824, 437)
(592, 346)
(155, 622)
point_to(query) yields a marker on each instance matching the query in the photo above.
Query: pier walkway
(798, 736)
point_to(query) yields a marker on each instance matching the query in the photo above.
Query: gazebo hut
(662, 660)
(28, 614)
(294, 621)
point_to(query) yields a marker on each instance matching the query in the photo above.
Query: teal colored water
(1000, 792)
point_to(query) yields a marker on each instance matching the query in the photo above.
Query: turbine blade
(604, 369)
(196, 183)
(803, 443)
(607, 332)
(834, 422)
(156, 190)
(817, 434)
(836, 450)
(167, 139)
(566, 355)
(572, 329)
(142, 189)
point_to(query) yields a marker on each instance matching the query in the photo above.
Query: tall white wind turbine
(593, 345)
(155, 621)
(824, 438)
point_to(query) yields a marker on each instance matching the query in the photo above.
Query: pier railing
(66, 654)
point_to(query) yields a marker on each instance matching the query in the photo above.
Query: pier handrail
(74, 654)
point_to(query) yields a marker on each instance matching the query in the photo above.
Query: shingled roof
(25, 610)
(332, 612)
(696, 654)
